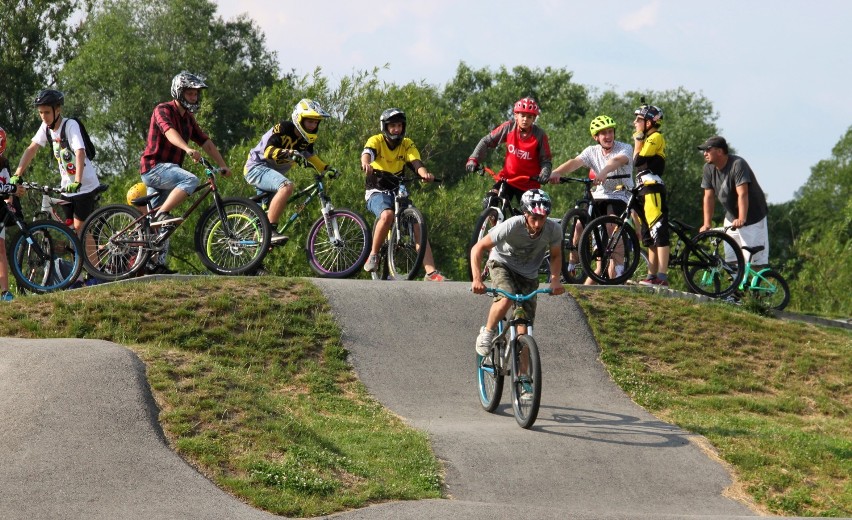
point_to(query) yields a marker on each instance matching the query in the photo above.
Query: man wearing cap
(733, 182)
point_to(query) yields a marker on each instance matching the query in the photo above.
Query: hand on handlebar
(471, 166)
(194, 154)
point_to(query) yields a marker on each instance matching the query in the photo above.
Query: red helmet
(527, 105)
(2, 141)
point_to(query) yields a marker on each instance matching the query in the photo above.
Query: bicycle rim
(526, 384)
(343, 252)
(770, 289)
(573, 224)
(237, 247)
(408, 245)
(489, 218)
(115, 247)
(51, 261)
(705, 269)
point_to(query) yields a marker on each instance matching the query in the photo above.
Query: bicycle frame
(511, 328)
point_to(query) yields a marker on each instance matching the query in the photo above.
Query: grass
(772, 397)
(253, 390)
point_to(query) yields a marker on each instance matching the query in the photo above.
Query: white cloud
(645, 17)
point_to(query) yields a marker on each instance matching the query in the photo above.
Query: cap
(714, 142)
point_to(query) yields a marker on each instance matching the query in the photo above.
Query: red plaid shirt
(159, 149)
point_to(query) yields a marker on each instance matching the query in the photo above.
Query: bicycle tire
(599, 246)
(333, 258)
(110, 258)
(490, 382)
(770, 288)
(526, 409)
(238, 248)
(573, 223)
(705, 269)
(486, 220)
(47, 257)
(405, 253)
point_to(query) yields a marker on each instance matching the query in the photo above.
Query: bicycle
(505, 359)
(701, 257)
(339, 240)
(231, 236)
(45, 255)
(498, 209)
(401, 254)
(767, 286)
(48, 205)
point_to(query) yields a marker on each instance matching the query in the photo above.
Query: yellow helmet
(308, 109)
(601, 123)
(136, 191)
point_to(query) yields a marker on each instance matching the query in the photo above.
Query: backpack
(63, 140)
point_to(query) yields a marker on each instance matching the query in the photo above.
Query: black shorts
(81, 206)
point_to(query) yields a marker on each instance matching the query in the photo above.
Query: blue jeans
(165, 177)
(379, 202)
(265, 179)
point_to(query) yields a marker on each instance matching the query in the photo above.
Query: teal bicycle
(766, 285)
(515, 356)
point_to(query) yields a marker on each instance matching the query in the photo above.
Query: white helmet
(308, 109)
(536, 202)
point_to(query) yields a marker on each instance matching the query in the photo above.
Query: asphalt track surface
(79, 436)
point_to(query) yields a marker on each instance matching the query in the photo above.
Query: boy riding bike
(517, 247)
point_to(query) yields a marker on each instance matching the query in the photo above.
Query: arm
(742, 206)
(421, 170)
(213, 152)
(26, 158)
(556, 270)
(366, 159)
(709, 205)
(566, 167)
(611, 165)
(476, 252)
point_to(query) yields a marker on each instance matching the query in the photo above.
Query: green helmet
(601, 123)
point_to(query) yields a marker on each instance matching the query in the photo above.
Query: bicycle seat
(753, 249)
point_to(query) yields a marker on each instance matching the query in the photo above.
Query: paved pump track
(79, 436)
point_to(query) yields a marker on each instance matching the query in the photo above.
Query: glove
(334, 173)
(15, 180)
(544, 176)
(471, 165)
(74, 187)
(639, 136)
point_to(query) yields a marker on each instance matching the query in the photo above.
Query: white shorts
(756, 234)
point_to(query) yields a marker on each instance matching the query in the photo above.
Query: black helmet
(183, 81)
(49, 97)
(392, 115)
(650, 113)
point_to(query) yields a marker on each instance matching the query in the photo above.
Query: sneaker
(372, 264)
(435, 276)
(651, 279)
(277, 238)
(161, 269)
(483, 341)
(7, 296)
(526, 388)
(165, 218)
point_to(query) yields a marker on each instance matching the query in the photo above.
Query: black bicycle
(45, 255)
(609, 251)
(231, 236)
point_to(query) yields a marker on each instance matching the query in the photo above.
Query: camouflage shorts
(511, 282)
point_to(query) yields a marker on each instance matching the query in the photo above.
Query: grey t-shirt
(514, 248)
(725, 181)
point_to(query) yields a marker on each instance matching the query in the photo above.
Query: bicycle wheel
(408, 247)
(47, 257)
(339, 249)
(609, 250)
(235, 244)
(490, 382)
(573, 223)
(771, 289)
(489, 218)
(704, 266)
(526, 384)
(116, 248)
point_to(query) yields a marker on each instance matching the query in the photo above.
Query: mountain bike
(401, 254)
(609, 251)
(231, 236)
(339, 240)
(45, 255)
(498, 207)
(48, 205)
(767, 286)
(515, 356)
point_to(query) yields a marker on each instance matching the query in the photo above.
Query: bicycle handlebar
(494, 291)
(209, 166)
(42, 188)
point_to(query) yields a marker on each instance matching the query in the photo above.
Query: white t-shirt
(67, 158)
(594, 158)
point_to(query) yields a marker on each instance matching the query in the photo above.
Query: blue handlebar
(516, 297)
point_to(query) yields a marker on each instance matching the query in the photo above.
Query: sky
(776, 72)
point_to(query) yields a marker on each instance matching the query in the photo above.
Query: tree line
(114, 60)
